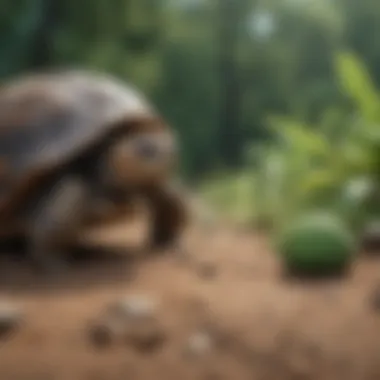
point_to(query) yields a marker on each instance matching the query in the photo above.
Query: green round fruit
(317, 244)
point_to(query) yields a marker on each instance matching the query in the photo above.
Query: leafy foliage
(205, 62)
(331, 166)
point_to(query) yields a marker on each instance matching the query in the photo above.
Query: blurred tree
(41, 54)
(362, 31)
(215, 68)
(229, 132)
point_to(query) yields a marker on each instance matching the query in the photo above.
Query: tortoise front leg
(169, 216)
(54, 223)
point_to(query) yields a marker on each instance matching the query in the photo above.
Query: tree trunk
(42, 53)
(229, 132)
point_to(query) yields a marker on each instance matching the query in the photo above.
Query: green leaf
(356, 83)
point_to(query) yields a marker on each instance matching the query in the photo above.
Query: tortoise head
(143, 157)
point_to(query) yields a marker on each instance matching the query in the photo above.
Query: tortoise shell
(47, 119)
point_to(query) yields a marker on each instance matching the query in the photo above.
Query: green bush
(317, 243)
(330, 165)
(333, 164)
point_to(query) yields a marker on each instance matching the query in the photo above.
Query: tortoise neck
(99, 177)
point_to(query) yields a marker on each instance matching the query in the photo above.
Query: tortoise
(75, 147)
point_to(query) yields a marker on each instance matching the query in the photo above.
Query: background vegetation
(275, 101)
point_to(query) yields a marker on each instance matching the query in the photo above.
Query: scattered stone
(10, 319)
(198, 344)
(137, 323)
(134, 308)
(102, 334)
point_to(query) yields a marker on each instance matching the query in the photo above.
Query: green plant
(317, 243)
(308, 166)
(334, 165)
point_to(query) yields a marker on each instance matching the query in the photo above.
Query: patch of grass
(232, 195)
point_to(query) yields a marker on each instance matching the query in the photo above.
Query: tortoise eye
(147, 149)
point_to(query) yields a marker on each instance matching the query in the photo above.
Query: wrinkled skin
(103, 188)
(77, 149)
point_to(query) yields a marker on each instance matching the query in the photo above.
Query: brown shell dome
(46, 119)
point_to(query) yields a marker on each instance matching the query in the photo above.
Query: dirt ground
(228, 287)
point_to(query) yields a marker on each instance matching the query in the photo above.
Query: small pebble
(134, 308)
(101, 335)
(10, 319)
(198, 344)
(106, 331)
(140, 326)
